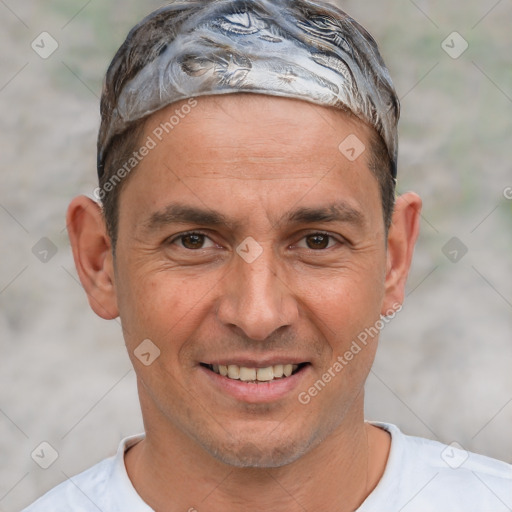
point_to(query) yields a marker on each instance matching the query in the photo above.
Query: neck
(338, 474)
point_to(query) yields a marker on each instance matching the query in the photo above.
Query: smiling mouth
(255, 375)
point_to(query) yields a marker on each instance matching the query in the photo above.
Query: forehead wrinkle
(215, 176)
(181, 213)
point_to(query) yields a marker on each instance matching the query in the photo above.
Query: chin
(267, 452)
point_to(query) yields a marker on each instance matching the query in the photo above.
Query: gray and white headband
(297, 49)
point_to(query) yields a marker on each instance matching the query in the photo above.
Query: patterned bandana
(302, 49)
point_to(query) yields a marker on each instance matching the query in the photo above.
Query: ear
(92, 252)
(402, 236)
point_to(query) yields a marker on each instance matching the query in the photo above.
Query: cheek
(344, 299)
(345, 308)
(346, 311)
(161, 305)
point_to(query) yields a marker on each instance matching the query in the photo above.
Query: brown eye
(192, 241)
(318, 241)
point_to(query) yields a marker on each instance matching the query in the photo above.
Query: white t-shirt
(420, 476)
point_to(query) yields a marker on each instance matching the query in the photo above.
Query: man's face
(276, 282)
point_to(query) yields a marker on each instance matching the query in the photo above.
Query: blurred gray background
(443, 369)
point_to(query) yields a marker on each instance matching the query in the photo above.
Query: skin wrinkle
(328, 116)
(133, 184)
(198, 306)
(317, 44)
(176, 213)
(269, 155)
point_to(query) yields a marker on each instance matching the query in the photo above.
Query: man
(249, 239)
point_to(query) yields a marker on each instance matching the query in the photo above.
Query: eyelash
(188, 233)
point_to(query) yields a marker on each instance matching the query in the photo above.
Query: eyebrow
(182, 214)
(176, 213)
(335, 212)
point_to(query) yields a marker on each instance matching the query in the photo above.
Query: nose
(255, 299)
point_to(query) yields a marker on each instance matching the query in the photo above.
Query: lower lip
(261, 392)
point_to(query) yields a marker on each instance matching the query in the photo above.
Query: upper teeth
(246, 374)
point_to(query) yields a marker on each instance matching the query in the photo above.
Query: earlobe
(92, 253)
(402, 237)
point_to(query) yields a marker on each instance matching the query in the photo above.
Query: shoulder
(450, 477)
(105, 486)
(81, 493)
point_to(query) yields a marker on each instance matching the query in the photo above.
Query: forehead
(237, 151)
(253, 128)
